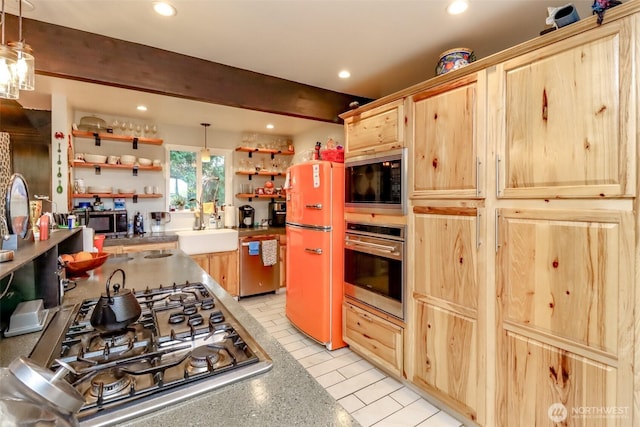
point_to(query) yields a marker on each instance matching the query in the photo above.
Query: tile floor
(370, 396)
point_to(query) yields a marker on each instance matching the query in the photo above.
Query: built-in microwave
(377, 183)
(109, 223)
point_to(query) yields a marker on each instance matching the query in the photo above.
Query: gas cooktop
(184, 343)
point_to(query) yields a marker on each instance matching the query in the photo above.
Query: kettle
(114, 312)
(246, 216)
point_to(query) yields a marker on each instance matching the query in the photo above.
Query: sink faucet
(199, 224)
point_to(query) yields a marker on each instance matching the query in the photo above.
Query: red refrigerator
(315, 234)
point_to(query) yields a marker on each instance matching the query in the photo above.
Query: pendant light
(205, 156)
(8, 67)
(26, 61)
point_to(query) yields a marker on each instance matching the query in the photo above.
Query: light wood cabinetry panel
(539, 376)
(448, 340)
(283, 260)
(446, 357)
(564, 283)
(222, 267)
(566, 112)
(373, 337)
(447, 145)
(378, 129)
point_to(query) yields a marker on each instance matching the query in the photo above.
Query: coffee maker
(158, 220)
(277, 214)
(246, 216)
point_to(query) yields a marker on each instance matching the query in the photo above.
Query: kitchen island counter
(284, 395)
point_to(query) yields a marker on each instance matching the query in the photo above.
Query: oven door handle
(314, 206)
(315, 251)
(375, 246)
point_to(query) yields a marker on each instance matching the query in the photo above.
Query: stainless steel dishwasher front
(255, 276)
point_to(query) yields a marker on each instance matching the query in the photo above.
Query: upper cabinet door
(565, 118)
(448, 141)
(375, 130)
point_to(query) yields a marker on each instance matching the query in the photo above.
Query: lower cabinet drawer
(376, 339)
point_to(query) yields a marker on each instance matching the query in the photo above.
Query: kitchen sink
(194, 242)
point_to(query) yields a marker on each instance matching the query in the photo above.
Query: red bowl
(78, 268)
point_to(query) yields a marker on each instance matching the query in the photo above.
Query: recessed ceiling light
(344, 74)
(270, 126)
(456, 7)
(164, 9)
(142, 108)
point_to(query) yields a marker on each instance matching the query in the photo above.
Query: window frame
(228, 170)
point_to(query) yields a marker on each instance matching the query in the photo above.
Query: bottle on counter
(130, 228)
(138, 224)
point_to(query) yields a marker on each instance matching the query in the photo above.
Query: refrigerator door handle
(314, 206)
(316, 251)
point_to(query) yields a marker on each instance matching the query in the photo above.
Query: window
(191, 180)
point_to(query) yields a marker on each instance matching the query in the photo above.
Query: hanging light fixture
(205, 156)
(8, 67)
(26, 62)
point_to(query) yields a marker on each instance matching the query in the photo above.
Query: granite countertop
(171, 236)
(284, 395)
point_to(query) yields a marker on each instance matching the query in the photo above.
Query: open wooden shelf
(265, 151)
(261, 173)
(115, 195)
(77, 164)
(258, 196)
(113, 137)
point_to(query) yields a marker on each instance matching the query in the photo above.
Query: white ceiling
(387, 45)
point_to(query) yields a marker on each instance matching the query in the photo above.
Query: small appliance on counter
(277, 214)
(138, 224)
(158, 221)
(247, 214)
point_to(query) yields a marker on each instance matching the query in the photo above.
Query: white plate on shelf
(126, 190)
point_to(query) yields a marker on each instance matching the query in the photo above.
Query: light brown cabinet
(222, 267)
(565, 312)
(523, 253)
(375, 130)
(374, 337)
(564, 114)
(448, 341)
(448, 144)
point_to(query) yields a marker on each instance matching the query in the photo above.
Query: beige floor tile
(405, 396)
(330, 379)
(371, 414)
(410, 415)
(333, 364)
(355, 368)
(377, 390)
(351, 403)
(356, 383)
(441, 419)
(314, 359)
(293, 346)
(306, 351)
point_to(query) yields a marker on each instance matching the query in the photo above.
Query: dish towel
(254, 248)
(269, 252)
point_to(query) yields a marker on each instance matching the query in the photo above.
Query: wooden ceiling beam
(79, 55)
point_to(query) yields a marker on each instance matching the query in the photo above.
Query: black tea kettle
(114, 312)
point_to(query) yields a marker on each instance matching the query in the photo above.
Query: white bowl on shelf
(144, 162)
(95, 158)
(127, 190)
(99, 189)
(127, 159)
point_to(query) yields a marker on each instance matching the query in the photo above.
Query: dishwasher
(259, 264)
